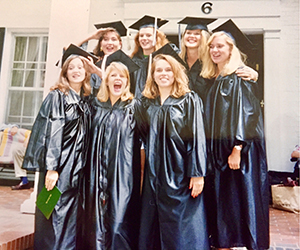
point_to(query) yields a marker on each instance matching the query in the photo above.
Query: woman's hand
(98, 33)
(196, 184)
(234, 159)
(51, 179)
(92, 68)
(247, 73)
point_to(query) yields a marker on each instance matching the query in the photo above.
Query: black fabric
(238, 199)
(113, 178)
(197, 83)
(58, 142)
(175, 151)
(2, 35)
(139, 77)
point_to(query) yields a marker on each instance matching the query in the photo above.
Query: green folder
(47, 200)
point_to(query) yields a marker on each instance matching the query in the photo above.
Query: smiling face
(146, 39)
(116, 83)
(75, 72)
(110, 43)
(220, 51)
(163, 75)
(192, 38)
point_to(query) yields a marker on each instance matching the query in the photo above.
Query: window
(25, 90)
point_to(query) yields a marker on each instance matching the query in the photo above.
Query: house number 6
(206, 7)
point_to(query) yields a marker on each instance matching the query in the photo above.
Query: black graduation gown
(175, 151)
(239, 213)
(58, 142)
(197, 83)
(138, 78)
(113, 178)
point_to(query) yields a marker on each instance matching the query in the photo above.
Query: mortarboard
(196, 23)
(120, 56)
(168, 50)
(118, 26)
(75, 50)
(148, 21)
(240, 39)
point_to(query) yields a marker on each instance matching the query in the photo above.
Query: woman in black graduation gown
(57, 149)
(113, 177)
(173, 215)
(147, 40)
(193, 50)
(109, 40)
(238, 214)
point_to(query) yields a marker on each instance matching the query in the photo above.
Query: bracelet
(238, 147)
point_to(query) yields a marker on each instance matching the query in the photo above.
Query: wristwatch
(238, 147)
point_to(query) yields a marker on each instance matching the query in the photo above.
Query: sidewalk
(16, 229)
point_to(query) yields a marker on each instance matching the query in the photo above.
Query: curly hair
(63, 82)
(236, 59)
(97, 50)
(181, 82)
(161, 40)
(103, 93)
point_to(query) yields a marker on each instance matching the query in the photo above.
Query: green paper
(47, 200)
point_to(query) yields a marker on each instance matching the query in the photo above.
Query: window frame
(7, 76)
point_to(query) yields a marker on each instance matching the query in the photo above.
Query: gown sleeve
(196, 145)
(44, 147)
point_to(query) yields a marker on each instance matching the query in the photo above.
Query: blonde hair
(64, 86)
(236, 59)
(202, 51)
(181, 83)
(161, 40)
(103, 93)
(98, 50)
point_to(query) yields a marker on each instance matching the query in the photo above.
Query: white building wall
(71, 20)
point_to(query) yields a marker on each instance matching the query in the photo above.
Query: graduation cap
(119, 56)
(75, 50)
(240, 39)
(148, 21)
(168, 50)
(118, 26)
(196, 23)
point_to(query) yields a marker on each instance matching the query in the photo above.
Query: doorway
(255, 60)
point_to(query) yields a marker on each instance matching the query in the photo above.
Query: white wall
(19, 16)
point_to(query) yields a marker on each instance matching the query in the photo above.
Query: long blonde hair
(202, 51)
(236, 59)
(64, 85)
(161, 40)
(103, 93)
(181, 83)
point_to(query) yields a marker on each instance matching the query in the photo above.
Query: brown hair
(63, 82)
(161, 40)
(97, 50)
(181, 82)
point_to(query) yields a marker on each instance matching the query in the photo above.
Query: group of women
(197, 120)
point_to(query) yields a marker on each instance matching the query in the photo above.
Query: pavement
(16, 228)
